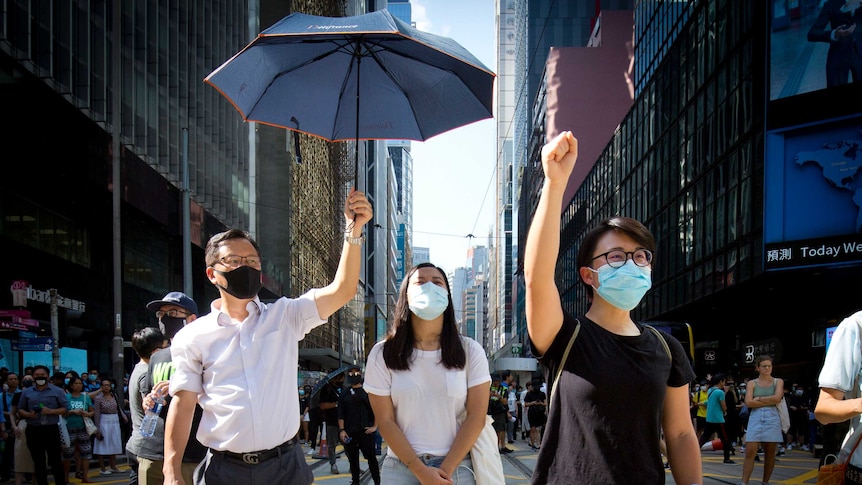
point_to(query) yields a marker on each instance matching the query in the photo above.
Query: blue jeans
(394, 471)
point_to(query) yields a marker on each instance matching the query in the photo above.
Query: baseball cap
(177, 298)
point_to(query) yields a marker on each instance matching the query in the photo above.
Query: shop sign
(21, 291)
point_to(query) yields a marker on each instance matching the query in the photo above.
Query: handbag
(484, 454)
(65, 442)
(89, 425)
(485, 457)
(783, 415)
(835, 473)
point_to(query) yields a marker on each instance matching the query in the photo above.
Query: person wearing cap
(239, 362)
(356, 426)
(174, 311)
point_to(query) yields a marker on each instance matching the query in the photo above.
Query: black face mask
(353, 380)
(242, 283)
(171, 325)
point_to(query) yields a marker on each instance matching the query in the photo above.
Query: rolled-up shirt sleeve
(188, 373)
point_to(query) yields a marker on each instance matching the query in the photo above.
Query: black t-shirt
(161, 368)
(534, 396)
(355, 409)
(730, 403)
(604, 420)
(330, 393)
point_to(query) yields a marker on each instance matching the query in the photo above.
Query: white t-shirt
(842, 366)
(428, 397)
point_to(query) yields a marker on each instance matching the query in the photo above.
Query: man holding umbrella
(238, 362)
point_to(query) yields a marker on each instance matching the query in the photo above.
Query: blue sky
(454, 183)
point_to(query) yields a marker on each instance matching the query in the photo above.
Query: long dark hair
(399, 346)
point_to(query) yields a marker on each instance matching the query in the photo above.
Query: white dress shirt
(244, 374)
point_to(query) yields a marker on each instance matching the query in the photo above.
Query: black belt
(255, 457)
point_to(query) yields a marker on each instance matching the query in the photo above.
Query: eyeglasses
(232, 261)
(617, 257)
(173, 312)
(354, 374)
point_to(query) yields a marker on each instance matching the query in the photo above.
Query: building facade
(711, 157)
(98, 92)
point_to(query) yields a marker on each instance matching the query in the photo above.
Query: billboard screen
(813, 205)
(814, 46)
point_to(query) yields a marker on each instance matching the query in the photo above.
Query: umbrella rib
(396, 83)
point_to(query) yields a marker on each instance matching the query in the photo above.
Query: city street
(797, 467)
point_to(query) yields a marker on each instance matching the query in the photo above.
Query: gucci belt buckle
(251, 458)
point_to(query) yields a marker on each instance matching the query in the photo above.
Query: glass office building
(725, 151)
(58, 65)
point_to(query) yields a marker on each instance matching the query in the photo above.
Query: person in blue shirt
(716, 410)
(42, 405)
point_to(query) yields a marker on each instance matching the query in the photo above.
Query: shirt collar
(254, 307)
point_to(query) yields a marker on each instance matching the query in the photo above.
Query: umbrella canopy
(369, 76)
(325, 380)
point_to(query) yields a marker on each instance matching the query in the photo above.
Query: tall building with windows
(526, 32)
(733, 119)
(103, 88)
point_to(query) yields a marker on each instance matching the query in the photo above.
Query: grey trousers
(332, 432)
(288, 467)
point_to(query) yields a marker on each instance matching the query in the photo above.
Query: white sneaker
(805, 448)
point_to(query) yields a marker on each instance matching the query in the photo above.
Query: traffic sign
(43, 347)
(34, 340)
(37, 343)
(13, 326)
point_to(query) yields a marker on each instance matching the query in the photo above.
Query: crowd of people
(36, 404)
(207, 405)
(745, 416)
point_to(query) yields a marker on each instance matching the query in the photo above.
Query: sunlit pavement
(796, 467)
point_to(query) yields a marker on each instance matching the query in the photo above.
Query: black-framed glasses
(617, 257)
(232, 261)
(173, 312)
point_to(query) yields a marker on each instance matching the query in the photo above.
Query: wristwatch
(357, 241)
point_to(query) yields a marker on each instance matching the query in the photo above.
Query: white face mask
(427, 301)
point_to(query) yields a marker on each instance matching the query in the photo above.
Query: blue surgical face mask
(623, 287)
(301, 392)
(66, 380)
(427, 301)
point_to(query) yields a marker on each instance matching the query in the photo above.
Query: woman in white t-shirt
(418, 412)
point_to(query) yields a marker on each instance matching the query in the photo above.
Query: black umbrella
(308, 74)
(328, 377)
